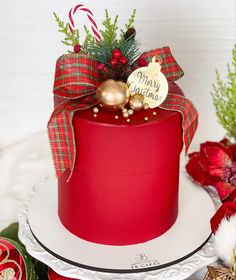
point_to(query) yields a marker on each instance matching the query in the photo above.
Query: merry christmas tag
(150, 82)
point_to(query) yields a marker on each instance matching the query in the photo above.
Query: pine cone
(130, 33)
(120, 72)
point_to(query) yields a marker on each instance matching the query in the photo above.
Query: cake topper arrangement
(128, 80)
(106, 72)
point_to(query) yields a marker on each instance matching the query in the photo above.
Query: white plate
(74, 257)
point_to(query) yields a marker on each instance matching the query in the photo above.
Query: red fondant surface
(124, 188)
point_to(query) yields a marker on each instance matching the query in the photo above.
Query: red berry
(116, 53)
(101, 66)
(123, 60)
(113, 62)
(77, 48)
(142, 62)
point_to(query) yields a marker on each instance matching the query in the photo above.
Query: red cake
(124, 187)
(117, 153)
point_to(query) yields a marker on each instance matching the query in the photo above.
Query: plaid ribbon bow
(76, 80)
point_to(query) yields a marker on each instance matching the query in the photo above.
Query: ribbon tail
(61, 132)
(179, 103)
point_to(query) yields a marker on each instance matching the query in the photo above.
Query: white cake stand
(177, 254)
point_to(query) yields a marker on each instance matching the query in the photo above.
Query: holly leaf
(11, 232)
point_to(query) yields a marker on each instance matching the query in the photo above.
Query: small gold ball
(128, 120)
(95, 115)
(145, 106)
(154, 113)
(136, 102)
(146, 119)
(116, 117)
(126, 115)
(130, 111)
(95, 110)
(124, 110)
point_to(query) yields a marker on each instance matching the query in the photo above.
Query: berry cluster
(117, 57)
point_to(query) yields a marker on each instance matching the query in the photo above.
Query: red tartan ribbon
(76, 80)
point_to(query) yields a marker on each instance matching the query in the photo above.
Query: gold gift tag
(150, 82)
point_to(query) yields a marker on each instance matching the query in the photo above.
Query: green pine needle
(224, 98)
(129, 24)
(131, 20)
(129, 49)
(101, 52)
(109, 34)
(89, 40)
(71, 38)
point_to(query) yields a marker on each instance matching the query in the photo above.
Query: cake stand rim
(205, 254)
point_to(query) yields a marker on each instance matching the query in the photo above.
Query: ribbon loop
(169, 67)
(76, 76)
(76, 80)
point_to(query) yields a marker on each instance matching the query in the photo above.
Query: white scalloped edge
(182, 270)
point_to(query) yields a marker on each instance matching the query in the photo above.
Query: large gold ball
(136, 102)
(113, 95)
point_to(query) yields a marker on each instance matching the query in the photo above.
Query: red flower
(215, 165)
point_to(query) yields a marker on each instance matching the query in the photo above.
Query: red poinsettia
(215, 164)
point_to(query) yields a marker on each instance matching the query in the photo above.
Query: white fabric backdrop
(201, 35)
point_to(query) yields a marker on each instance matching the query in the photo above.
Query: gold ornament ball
(113, 95)
(136, 102)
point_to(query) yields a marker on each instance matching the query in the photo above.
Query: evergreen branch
(101, 52)
(224, 98)
(89, 40)
(109, 34)
(131, 20)
(71, 38)
(129, 49)
(129, 24)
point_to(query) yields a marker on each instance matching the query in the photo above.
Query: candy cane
(81, 7)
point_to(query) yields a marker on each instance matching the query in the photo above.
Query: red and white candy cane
(81, 7)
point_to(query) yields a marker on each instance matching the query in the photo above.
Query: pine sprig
(101, 52)
(109, 35)
(129, 49)
(129, 24)
(131, 20)
(89, 40)
(224, 98)
(71, 38)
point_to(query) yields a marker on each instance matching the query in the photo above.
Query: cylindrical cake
(124, 186)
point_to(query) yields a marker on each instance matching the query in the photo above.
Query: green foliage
(130, 23)
(224, 98)
(109, 34)
(102, 50)
(71, 38)
(89, 40)
(11, 232)
(129, 49)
